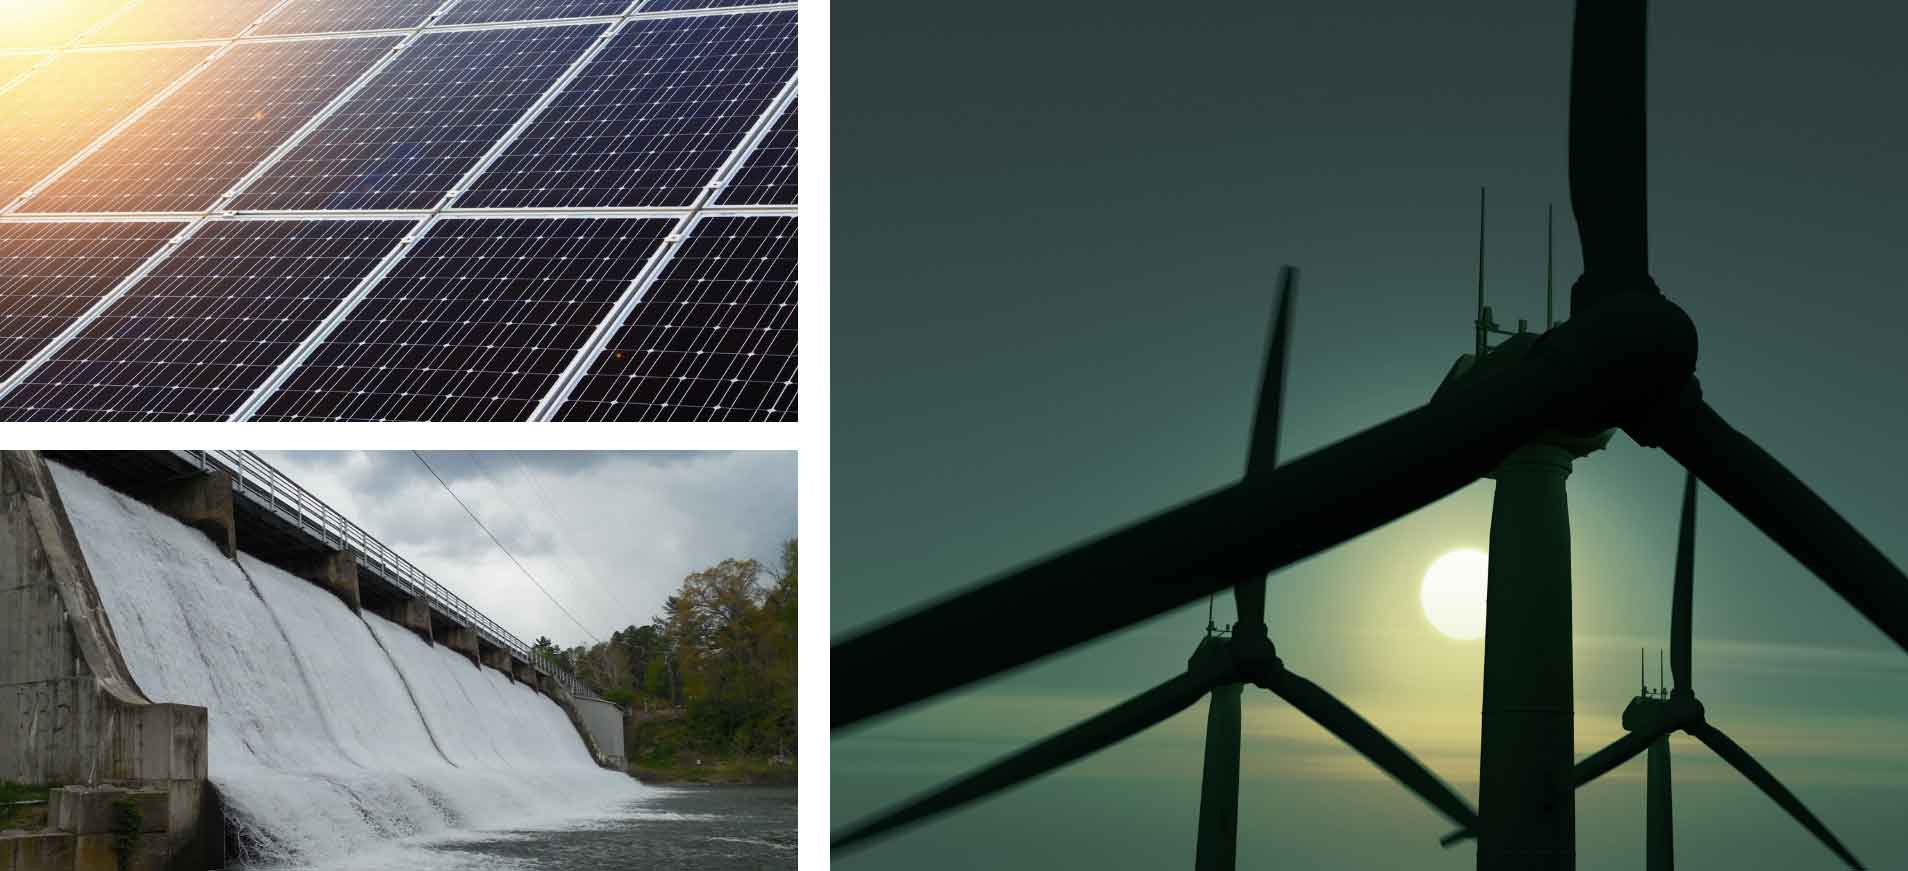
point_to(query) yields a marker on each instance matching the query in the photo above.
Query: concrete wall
(70, 711)
(605, 724)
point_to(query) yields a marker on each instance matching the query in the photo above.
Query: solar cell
(65, 105)
(713, 338)
(767, 177)
(475, 323)
(194, 337)
(650, 118)
(331, 16)
(169, 20)
(51, 273)
(191, 148)
(482, 11)
(14, 64)
(49, 24)
(676, 5)
(408, 135)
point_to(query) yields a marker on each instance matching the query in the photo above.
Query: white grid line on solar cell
(396, 214)
(783, 102)
(767, 166)
(697, 5)
(412, 132)
(580, 364)
(64, 109)
(192, 339)
(301, 16)
(478, 313)
(188, 150)
(59, 341)
(713, 337)
(651, 119)
(52, 272)
(21, 73)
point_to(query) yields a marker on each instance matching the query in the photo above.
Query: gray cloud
(609, 534)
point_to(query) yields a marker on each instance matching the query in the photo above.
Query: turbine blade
(1200, 546)
(1219, 784)
(1104, 730)
(1786, 510)
(1683, 600)
(1733, 753)
(1618, 752)
(1608, 166)
(1365, 738)
(1264, 454)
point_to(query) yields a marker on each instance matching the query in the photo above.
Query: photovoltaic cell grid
(406, 137)
(713, 338)
(768, 176)
(648, 120)
(62, 107)
(333, 16)
(14, 64)
(44, 24)
(677, 5)
(485, 11)
(171, 20)
(475, 323)
(190, 149)
(52, 273)
(197, 335)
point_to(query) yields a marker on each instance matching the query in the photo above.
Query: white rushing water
(335, 739)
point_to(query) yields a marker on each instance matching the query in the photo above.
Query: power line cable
(500, 546)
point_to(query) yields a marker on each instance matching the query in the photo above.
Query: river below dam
(707, 828)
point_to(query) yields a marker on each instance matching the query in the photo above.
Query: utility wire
(571, 553)
(564, 553)
(506, 551)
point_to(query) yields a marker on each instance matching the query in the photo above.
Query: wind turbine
(1651, 718)
(1219, 667)
(1625, 358)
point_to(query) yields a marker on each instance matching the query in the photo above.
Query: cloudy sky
(610, 534)
(1057, 231)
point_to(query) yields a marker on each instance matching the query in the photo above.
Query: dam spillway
(331, 734)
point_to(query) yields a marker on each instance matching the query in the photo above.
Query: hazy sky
(1056, 231)
(610, 534)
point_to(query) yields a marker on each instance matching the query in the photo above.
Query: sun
(1453, 593)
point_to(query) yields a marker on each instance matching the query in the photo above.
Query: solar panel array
(398, 210)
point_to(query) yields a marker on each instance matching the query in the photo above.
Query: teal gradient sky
(1056, 232)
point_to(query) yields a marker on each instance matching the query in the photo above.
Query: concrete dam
(277, 708)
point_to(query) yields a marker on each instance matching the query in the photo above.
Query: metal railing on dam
(274, 491)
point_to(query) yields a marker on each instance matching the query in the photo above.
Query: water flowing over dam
(330, 734)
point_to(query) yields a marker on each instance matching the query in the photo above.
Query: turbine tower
(1220, 666)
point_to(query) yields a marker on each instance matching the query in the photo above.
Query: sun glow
(1453, 593)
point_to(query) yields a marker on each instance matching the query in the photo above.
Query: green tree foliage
(720, 658)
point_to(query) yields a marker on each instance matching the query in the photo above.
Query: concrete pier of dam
(79, 721)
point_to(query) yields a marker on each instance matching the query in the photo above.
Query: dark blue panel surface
(196, 336)
(52, 273)
(192, 147)
(677, 5)
(649, 119)
(713, 338)
(480, 11)
(422, 122)
(767, 177)
(475, 323)
(327, 16)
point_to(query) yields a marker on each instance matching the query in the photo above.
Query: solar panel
(170, 21)
(65, 105)
(194, 337)
(767, 177)
(404, 139)
(482, 11)
(333, 16)
(51, 273)
(49, 24)
(675, 5)
(185, 153)
(14, 64)
(649, 120)
(475, 323)
(713, 337)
